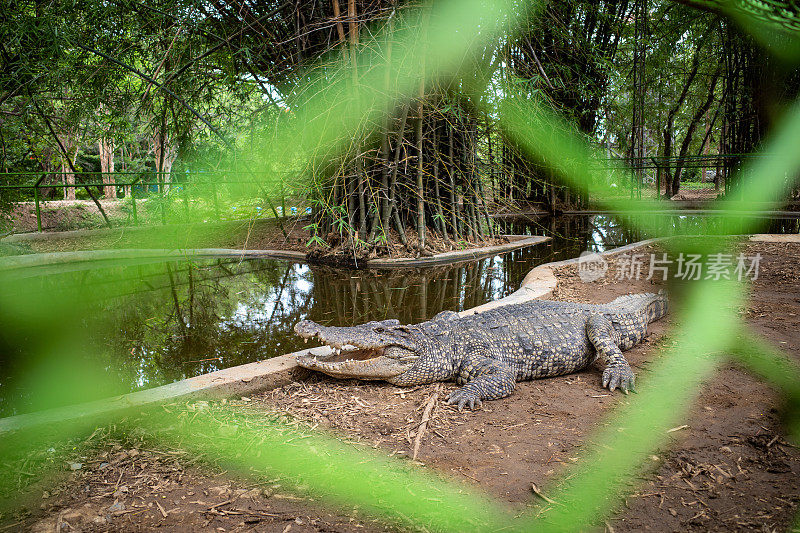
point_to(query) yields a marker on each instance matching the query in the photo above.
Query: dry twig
(426, 416)
(539, 493)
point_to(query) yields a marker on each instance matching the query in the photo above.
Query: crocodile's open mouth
(360, 353)
(359, 364)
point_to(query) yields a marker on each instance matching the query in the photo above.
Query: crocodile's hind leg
(486, 378)
(618, 372)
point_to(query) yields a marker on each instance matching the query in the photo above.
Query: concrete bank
(238, 380)
(38, 264)
(541, 281)
(675, 208)
(51, 262)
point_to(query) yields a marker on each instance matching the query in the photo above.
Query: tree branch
(66, 156)
(159, 85)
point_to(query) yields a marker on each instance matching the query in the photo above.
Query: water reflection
(604, 232)
(148, 325)
(574, 234)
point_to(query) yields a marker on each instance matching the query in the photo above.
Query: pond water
(140, 326)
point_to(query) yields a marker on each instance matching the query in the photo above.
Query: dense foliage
(140, 92)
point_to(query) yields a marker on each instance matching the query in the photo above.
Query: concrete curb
(771, 237)
(104, 232)
(35, 264)
(541, 281)
(238, 380)
(457, 256)
(92, 257)
(687, 209)
(690, 212)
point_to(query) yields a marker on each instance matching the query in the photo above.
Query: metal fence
(148, 183)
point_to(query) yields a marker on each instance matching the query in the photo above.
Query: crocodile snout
(307, 329)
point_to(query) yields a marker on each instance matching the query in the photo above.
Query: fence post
(133, 200)
(657, 164)
(162, 191)
(38, 209)
(133, 207)
(216, 201)
(185, 191)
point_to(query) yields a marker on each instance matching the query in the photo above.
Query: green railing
(210, 181)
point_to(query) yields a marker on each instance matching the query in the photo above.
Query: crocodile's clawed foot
(463, 398)
(619, 376)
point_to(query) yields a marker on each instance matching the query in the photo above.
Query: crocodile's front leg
(486, 378)
(618, 372)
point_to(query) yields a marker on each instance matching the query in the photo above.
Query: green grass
(697, 186)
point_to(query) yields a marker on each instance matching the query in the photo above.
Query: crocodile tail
(658, 306)
(654, 306)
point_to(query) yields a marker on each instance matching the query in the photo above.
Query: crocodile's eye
(379, 330)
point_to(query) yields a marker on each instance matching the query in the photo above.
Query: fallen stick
(539, 493)
(226, 502)
(673, 430)
(426, 416)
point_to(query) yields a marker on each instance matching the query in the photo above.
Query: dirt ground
(727, 468)
(706, 194)
(64, 215)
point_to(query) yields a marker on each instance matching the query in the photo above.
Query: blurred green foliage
(251, 445)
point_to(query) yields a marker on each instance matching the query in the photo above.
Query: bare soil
(124, 488)
(64, 215)
(700, 195)
(727, 468)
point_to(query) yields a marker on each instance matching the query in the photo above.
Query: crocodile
(489, 352)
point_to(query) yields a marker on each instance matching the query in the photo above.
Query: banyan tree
(432, 168)
(408, 176)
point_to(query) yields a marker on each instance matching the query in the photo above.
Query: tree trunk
(420, 193)
(670, 123)
(126, 188)
(698, 116)
(69, 144)
(392, 204)
(359, 160)
(106, 149)
(440, 221)
(165, 155)
(382, 207)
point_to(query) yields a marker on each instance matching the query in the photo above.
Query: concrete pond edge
(457, 256)
(34, 264)
(277, 371)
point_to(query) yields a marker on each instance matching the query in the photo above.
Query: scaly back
(651, 306)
